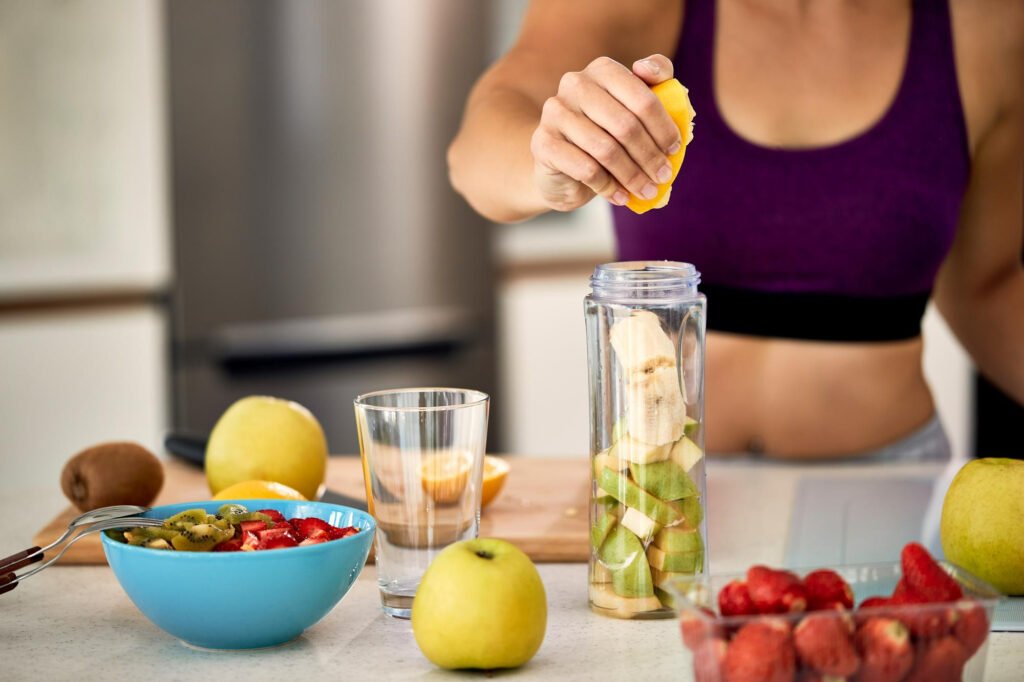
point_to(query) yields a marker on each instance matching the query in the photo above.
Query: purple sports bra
(841, 242)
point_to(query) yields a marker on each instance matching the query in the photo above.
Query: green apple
(982, 527)
(267, 439)
(480, 604)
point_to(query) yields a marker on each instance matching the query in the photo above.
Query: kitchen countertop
(76, 623)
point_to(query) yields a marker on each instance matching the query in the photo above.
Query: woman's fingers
(568, 176)
(606, 130)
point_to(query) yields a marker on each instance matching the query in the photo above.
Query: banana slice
(629, 449)
(641, 345)
(655, 411)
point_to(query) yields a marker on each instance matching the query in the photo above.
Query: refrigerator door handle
(343, 337)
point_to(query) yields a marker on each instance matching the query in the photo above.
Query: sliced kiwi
(233, 512)
(201, 537)
(142, 536)
(186, 519)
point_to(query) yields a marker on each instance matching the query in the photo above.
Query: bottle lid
(659, 279)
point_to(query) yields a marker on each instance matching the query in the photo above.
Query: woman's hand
(604, 133)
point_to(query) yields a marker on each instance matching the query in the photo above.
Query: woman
(850, 160)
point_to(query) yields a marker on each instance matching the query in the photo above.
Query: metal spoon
(34, 554)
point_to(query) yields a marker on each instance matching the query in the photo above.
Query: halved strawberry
(277, 516)
(282, 536)
(311, 527)
(318, 540)
(338, 533)
(250, 541)
(252, 526)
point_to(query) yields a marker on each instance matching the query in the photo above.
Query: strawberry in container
(913, 621)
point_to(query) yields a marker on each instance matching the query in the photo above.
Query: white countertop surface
(76, 623)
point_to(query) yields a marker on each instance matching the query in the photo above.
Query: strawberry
(252, 526)
(311, 528)
(696, 627)
(925, 577)
(940, 660)
(827, 590)
(823, 643)
(232, 545)
(874, 602)
(336, 533)
(884, 647)
(708, 659)
(250, 541)
(775, 591)
(971, 627)
(734, 600)
(925, 619)
(275, 516)
(316, 540)
(273, 538)
(760, 652)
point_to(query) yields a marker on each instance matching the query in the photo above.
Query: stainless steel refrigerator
(319, 249)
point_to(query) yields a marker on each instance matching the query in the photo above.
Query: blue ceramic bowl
(243, 600)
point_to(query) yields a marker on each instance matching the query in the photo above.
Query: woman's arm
(558, 119)
(980, 289)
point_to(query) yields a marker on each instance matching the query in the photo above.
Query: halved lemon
(495, 473)
(259, 490)
(445, 474)
(676, 100)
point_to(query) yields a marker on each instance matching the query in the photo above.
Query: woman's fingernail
(649, 191)
(651, 66)
(665, 174)
(676, 146)
(620, 198)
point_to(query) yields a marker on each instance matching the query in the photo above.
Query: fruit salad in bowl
(198, 576)
(918, 620)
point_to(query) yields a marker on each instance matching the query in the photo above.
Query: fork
(9, 580)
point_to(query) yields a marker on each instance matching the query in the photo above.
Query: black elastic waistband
(811, 316)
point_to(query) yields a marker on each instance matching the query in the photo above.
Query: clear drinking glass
(423, 456)
(645, 340)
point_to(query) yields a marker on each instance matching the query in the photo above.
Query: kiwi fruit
(112, 473)
(142, 536)
(186, 519)
(201, 537)
(233, 512)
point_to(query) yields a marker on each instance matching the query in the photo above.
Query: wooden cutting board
(542, 507)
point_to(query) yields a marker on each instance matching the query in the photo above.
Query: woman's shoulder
(989, 42)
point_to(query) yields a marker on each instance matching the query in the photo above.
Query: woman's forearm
(489, 161)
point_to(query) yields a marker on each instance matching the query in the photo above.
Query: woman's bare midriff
(805, 399)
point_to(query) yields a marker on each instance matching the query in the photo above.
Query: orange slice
(445, 474)
(259, 490)
(676, 100)
(495, 473)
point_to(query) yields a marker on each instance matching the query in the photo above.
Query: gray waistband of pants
(928, 443)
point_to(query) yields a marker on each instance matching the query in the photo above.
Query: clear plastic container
(645, 341)
(905, 653)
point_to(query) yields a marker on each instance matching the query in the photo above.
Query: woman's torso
(825, 82)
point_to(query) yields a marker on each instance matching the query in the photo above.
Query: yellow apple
(480, 604)
(267, 439)
(982, 525)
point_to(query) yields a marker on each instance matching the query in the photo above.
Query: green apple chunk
(679, 539)
(642, 526)
(667, 598)
(666, 580)
(630, 494)
(624, 556)
(675, 562)
(689, 510)
(686, 454)
(665, 480)
(629, 449)
(623, 607)
(690, 426)
(604, 524)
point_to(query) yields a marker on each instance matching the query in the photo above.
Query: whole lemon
(259, 490)
(267, 439)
